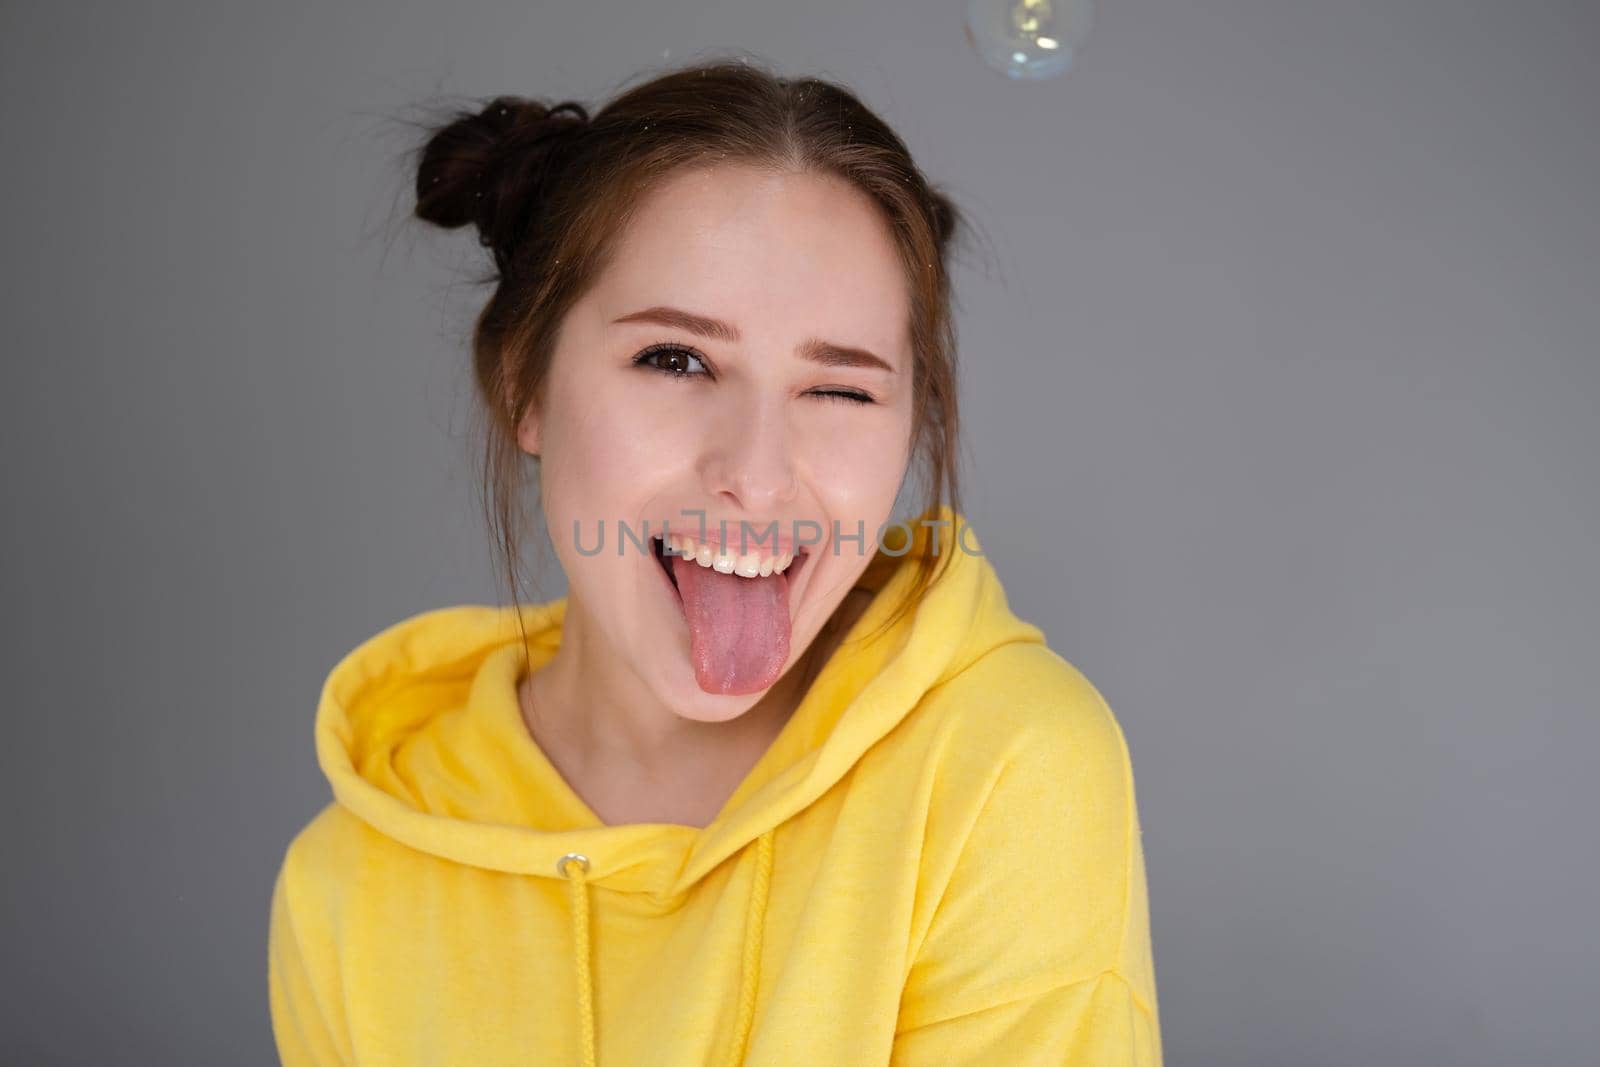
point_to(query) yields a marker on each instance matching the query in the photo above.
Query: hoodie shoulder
(1033, 818)
(1029, 747)
(1024, 702)
(335, 860)
(324, 854)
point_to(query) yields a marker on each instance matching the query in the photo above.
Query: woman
(778, 781)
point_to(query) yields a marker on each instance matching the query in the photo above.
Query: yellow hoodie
(938, 861)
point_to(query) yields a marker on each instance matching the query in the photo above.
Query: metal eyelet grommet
(561, 864)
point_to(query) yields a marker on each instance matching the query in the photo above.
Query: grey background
(1279, 372)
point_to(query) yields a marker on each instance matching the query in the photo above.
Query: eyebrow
(814, 349)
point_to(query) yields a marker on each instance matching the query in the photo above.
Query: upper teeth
(748, 565)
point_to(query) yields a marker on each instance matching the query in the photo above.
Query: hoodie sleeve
(302, 969)
(1037, 951)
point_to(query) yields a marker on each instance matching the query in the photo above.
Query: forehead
(777, 253)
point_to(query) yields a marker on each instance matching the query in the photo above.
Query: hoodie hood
(420, 734)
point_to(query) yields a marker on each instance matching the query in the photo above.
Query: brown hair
(549, 189)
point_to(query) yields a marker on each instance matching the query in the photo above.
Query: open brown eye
(672, 359)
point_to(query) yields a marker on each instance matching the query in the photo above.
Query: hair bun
(491, 169)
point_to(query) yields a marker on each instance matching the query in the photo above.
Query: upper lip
(752, 538)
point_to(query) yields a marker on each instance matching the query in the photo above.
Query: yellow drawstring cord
(575, 868)
(578, 886)
(755, 920)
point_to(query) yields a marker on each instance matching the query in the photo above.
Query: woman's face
(745, 358)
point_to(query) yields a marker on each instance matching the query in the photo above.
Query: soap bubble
(1028, 38)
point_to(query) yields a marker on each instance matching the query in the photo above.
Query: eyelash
(645, 358)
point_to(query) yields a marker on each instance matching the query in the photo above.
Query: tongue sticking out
(738, 627)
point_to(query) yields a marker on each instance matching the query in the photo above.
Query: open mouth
(736, 610)
(664, 559)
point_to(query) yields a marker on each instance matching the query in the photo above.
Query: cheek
(607, 448)
(857, 463)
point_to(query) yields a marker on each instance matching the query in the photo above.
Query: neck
(628, 754)
(589, 716)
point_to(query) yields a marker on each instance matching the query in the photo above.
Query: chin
(681, 692)
(673, 674)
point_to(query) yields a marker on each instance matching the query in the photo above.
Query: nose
(750, 460)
